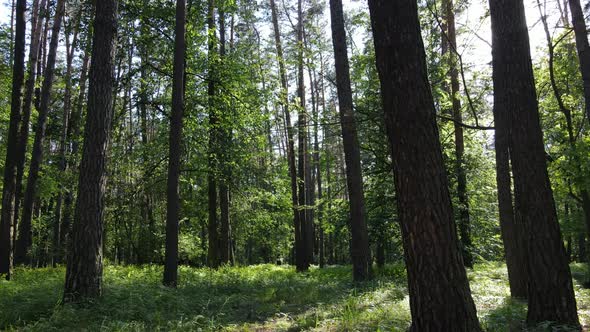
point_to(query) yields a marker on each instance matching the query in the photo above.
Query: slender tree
(360, 252)
(23, 138)
(9, 181)
(84, 264)
(440, 298)
(213, 248)
(173, 199)
(550, 289)
(306, 252)
(284, 100)
(24, 239)
(464, 222)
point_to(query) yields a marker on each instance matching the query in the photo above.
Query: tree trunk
(9, 181)
(513, 232)
(224, 201)
(360, 252)
(305, 249)
(175, 149)
(550, 290)
(23, 138)
(63, 161)
(24, 239)
(290, 135)
(464, 222)
(440, 298)
(84, 267)
(583, 48)
(213, 249)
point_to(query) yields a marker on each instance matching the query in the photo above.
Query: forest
(295, 165)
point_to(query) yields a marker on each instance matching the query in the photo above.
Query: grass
(256, 298)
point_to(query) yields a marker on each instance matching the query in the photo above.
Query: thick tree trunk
(84, 267)
(583, 48)
(290, 135)
(9, 181)
(440, 298)
(175, 149)
(24, 239)
(513, 232)
(213, 249)
(550, 290)
(360, 252)
(464, 222)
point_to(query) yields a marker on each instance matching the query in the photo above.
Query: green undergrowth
(255, 298)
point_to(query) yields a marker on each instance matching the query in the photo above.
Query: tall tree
(464, 222)
(550, 290)
(284, 100)
(305, 218)
(9, 181)
(440, 298)
(84, 267)
(23, 138)
(225, 141)
(213, 249)
(175, 148)
(583, 48)
(360, 252)
(24, 240)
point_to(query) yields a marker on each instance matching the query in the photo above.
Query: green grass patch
(255, 298)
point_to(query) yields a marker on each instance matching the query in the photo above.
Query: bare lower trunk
(440, 298)
(84, 264)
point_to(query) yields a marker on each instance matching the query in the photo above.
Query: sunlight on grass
(255, 298)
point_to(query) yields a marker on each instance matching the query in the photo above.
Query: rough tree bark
(175, 149)
(360, 252)
(9, 181)
(550, 289)
(84, 264)
(513, 232)
(440, 298)
(583, 48)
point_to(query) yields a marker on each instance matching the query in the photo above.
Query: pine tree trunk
(84, 267)
(513, 232)
(550, 289)
(306, 251)
(583, 48)
(24, 239)
(360, 252)
(440, 298)
(37, 26)
(9, 181)
(175, 149)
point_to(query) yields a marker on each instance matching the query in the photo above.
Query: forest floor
(256, 298)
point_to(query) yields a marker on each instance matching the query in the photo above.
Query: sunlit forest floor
(256, 298)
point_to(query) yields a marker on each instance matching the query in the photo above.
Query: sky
(474, 40)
